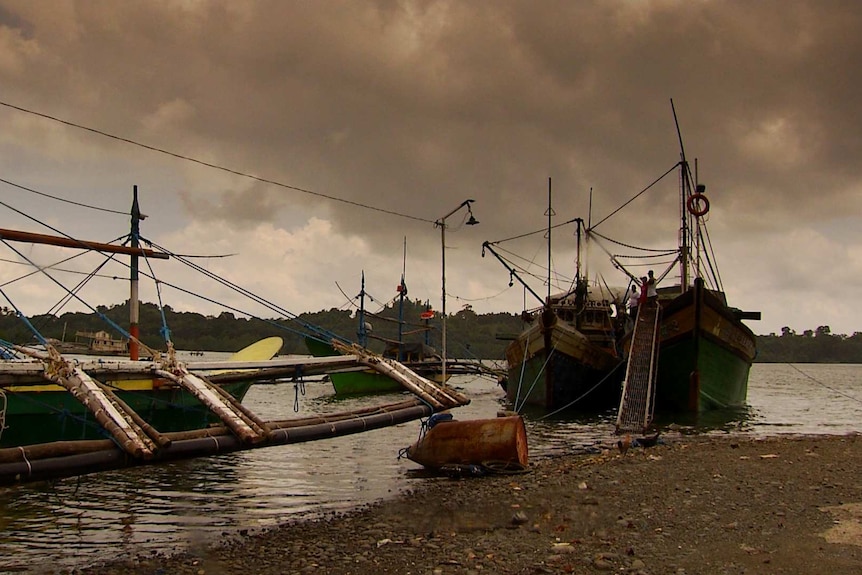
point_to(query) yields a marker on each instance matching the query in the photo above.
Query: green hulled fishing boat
(689, 350)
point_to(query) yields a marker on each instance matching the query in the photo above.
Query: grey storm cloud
(410, 107)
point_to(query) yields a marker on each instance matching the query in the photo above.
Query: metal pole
(442, 223)
(443, 251)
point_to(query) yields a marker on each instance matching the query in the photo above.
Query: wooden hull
(502, 439)
(352, 382)
(38, 411)
(705, 354)
(369, 381)
(53, 414)
(577, 370)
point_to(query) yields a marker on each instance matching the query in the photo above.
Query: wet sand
(689, 505)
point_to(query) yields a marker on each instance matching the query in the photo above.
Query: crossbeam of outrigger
(134, 442)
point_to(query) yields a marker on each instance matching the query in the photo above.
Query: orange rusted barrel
(472, 442)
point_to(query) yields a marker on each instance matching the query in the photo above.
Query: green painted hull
(705, 354)
(353, 382)
(700, 377)
(47, 416)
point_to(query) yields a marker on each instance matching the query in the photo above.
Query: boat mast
(684, 227)
(549, 213)
(402, 292)
(134, 311)
(362, 332)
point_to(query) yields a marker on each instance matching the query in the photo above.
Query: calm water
(76, 522)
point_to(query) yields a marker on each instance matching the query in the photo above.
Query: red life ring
(692, 204)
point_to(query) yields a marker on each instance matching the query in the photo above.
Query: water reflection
(185, 504)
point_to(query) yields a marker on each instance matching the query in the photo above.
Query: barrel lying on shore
(476, 441)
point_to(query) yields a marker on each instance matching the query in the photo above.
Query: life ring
(692, 204)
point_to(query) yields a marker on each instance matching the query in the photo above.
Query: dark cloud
(412, 107)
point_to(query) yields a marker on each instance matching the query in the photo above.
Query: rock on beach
(692, 505)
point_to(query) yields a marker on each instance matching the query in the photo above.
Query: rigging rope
(658, 251)
(43, 194)
(214, 166)
(3, 411)
(636, 196)
(583, 395)
(839, 392)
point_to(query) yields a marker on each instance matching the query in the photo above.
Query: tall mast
(134, 312)
(362, 332)
(684, 227)
(402, 292)
(549, 213)
(578, 222)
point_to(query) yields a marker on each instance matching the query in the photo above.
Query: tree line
(468, 335)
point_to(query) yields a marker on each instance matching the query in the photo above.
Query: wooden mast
(684, 226)
(548, 317)
(134, 311)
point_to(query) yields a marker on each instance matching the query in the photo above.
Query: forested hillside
(811, 346)
(468, 335)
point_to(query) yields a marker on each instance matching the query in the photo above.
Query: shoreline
(692, 504)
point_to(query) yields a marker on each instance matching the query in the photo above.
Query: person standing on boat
(651, 293)
(642, 299)
(632, 302)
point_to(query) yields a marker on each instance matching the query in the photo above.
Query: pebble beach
(688, 505)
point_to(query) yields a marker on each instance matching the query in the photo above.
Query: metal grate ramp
(638, 395)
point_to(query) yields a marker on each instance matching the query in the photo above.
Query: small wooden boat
(93, 343)
(470, 442)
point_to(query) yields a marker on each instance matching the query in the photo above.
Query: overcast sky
(364, 122)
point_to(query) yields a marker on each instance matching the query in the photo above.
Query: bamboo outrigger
(134, 441)
(144, 406)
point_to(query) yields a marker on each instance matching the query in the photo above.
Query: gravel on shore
(689, 505)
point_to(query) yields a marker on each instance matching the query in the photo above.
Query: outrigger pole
(65, 242)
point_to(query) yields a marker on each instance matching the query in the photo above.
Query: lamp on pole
(441, 223)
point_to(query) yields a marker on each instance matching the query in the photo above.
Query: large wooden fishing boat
(567, 356)
(689, 351)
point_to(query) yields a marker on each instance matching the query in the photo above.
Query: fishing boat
(39, 410)
(47, 397)
(419, 356)
(92, 343)
(62, 415)
(689, 350)
(568, 354)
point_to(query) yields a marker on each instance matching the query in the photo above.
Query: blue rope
(26, 321)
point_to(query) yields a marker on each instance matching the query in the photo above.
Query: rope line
(583, 395)
(59, 199)
(839, 392)
(213, 166)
